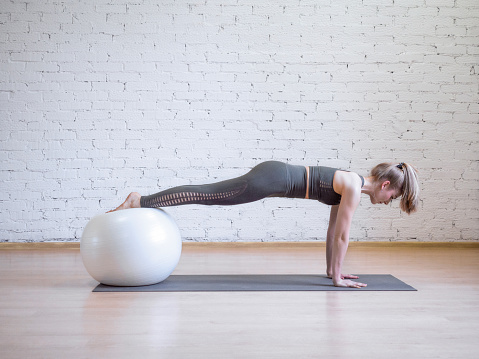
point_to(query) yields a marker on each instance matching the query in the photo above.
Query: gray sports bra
(321, 185)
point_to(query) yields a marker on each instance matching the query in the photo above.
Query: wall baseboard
(189, 244)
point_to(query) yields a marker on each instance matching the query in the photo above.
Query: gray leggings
(268, 179)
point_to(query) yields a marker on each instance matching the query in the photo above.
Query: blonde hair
(402, 176)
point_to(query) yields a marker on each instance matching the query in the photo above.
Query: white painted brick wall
(99, 98)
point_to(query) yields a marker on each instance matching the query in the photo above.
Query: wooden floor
(48, 310)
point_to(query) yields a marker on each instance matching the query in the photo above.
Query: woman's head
(394, 180)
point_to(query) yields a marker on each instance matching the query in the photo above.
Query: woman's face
(384, 194)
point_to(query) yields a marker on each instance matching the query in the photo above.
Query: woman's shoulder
(346, 181)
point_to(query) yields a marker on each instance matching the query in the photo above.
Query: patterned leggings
(268, 179)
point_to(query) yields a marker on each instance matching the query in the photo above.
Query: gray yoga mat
(261, 283)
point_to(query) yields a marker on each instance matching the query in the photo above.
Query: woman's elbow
(342, 237)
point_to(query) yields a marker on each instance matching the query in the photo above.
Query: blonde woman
(340, 189)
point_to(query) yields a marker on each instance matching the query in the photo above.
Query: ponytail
(410, 189)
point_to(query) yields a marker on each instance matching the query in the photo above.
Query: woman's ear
(385, 184)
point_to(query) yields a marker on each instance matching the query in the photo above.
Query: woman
(340, 189)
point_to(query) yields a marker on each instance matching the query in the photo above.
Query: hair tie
(400, 166)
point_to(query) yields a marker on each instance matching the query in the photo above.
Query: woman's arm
(329, 244)
(330, 239)
(349, 202)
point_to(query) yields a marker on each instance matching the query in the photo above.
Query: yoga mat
(262, 283)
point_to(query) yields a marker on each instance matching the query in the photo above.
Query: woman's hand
(349, 276)
(349, 283)
(345, 276)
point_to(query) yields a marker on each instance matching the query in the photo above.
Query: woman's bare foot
(132, 201)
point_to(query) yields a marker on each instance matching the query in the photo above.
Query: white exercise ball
(131, 247)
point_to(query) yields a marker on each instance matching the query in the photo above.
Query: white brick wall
(99, 98)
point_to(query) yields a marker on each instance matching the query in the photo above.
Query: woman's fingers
(349, 283)
(349, 276)
(352, 284)
(361, 285)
